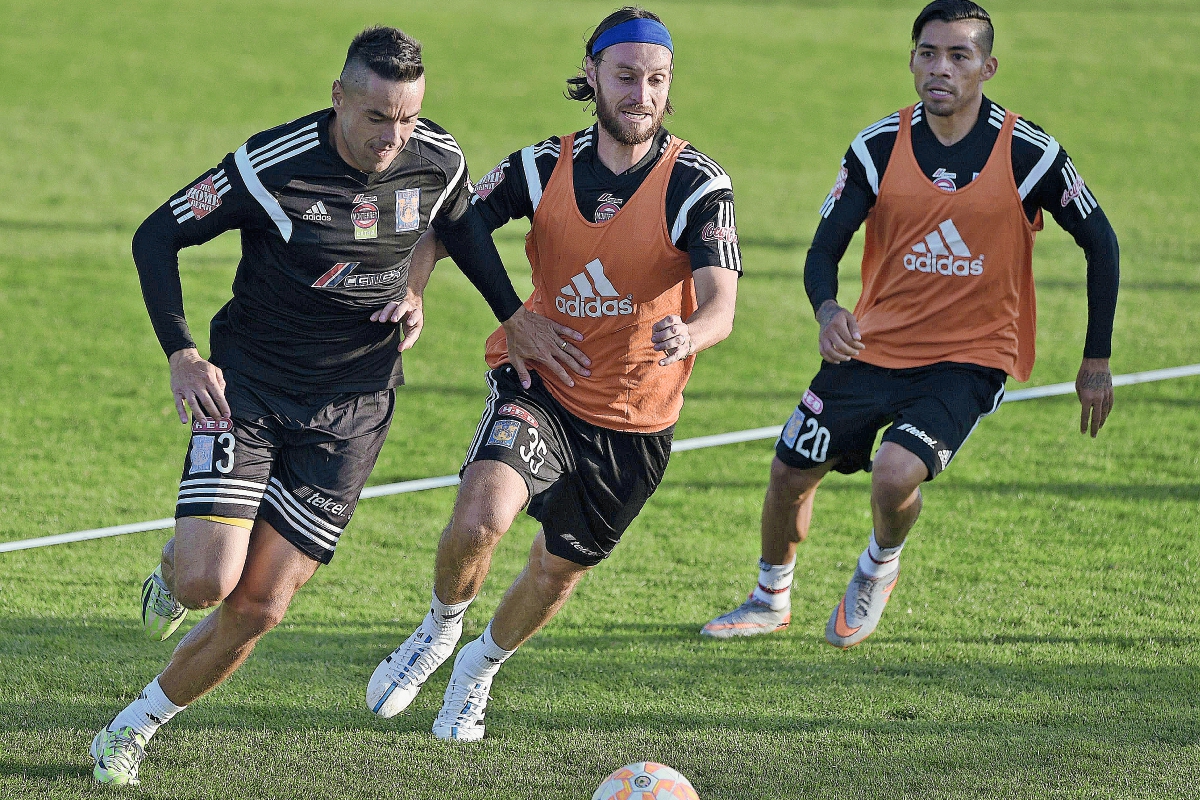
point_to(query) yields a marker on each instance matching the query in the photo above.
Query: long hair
(577, 87)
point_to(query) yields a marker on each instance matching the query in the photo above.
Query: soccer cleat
(461, 717)
(398, 678)
(161, 614)
(751, 618)
(859, 611)
(117, 755)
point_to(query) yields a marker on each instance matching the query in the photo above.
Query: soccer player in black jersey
(290, 411)
(622, 214)
(947, 310)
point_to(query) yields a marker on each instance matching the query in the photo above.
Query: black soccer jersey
(1045, 177)
(323, 246)
(699, 202)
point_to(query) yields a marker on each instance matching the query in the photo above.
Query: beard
(621, 129)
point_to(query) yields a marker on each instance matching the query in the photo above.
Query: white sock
(447, 618)
(876, 560)
(482, 658)
(775, 584)
(150, 711)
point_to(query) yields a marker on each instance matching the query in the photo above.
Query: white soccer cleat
(398, 678)
(857, 614)
(751, 618)
(161, 613)
(461, 717)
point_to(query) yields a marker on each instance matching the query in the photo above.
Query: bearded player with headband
(633, 244)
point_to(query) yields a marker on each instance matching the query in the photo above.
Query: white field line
(697, 443)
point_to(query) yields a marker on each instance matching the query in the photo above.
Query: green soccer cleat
(117, 755)
(751, 618)
(161, 614)
(858, 613)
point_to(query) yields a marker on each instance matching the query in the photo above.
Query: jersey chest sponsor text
(943, 252)
(592, 294)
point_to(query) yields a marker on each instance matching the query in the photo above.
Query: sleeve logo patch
(212, 425)
(510, 410)
(203, 198)
(812, 402)
(712, 233)
(1073, 191)
(504, 433)
(408, 210)
(488, 183)
(840, 185)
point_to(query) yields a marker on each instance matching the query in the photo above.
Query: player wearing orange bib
(633, 245)
(952, 191)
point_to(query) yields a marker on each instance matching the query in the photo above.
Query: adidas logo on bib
(591, 294)
(943, 252)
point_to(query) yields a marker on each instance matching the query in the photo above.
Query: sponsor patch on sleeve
(203, 198)
(504, 433)
(510, 410)
(712, 233)
(488, 183)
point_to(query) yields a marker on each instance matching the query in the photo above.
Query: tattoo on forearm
(1094, 381)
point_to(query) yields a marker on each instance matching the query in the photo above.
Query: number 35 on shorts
(806, 436)
(534, 451)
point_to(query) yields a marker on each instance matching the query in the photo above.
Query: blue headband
(647, 31)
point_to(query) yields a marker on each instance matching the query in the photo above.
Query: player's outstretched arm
(1094, 386)
(712, 322)
(839, 339)
(198, 385)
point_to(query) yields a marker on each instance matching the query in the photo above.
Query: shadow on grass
(630, 677)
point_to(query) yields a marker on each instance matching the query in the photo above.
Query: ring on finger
(562, 344)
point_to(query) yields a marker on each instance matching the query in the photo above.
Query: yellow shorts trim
(240, 523)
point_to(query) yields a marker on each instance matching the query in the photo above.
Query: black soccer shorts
(932, 410)
(298, 461)
(586, 484)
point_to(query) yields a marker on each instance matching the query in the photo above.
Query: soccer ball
(645, 780)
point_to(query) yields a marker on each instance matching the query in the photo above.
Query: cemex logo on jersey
(313, 498)
(944, 253)
(365, 216)
(608, 208)
(317, 213)
(945, 180)
(594, 298)
(342, 275)
(212, 425)
(488, 183)
(203, 198)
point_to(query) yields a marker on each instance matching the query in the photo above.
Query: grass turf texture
(1043, 641)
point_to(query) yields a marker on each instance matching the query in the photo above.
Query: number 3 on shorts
(534, 453)
(226, 442)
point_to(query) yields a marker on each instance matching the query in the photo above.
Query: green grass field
(1044, 640)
